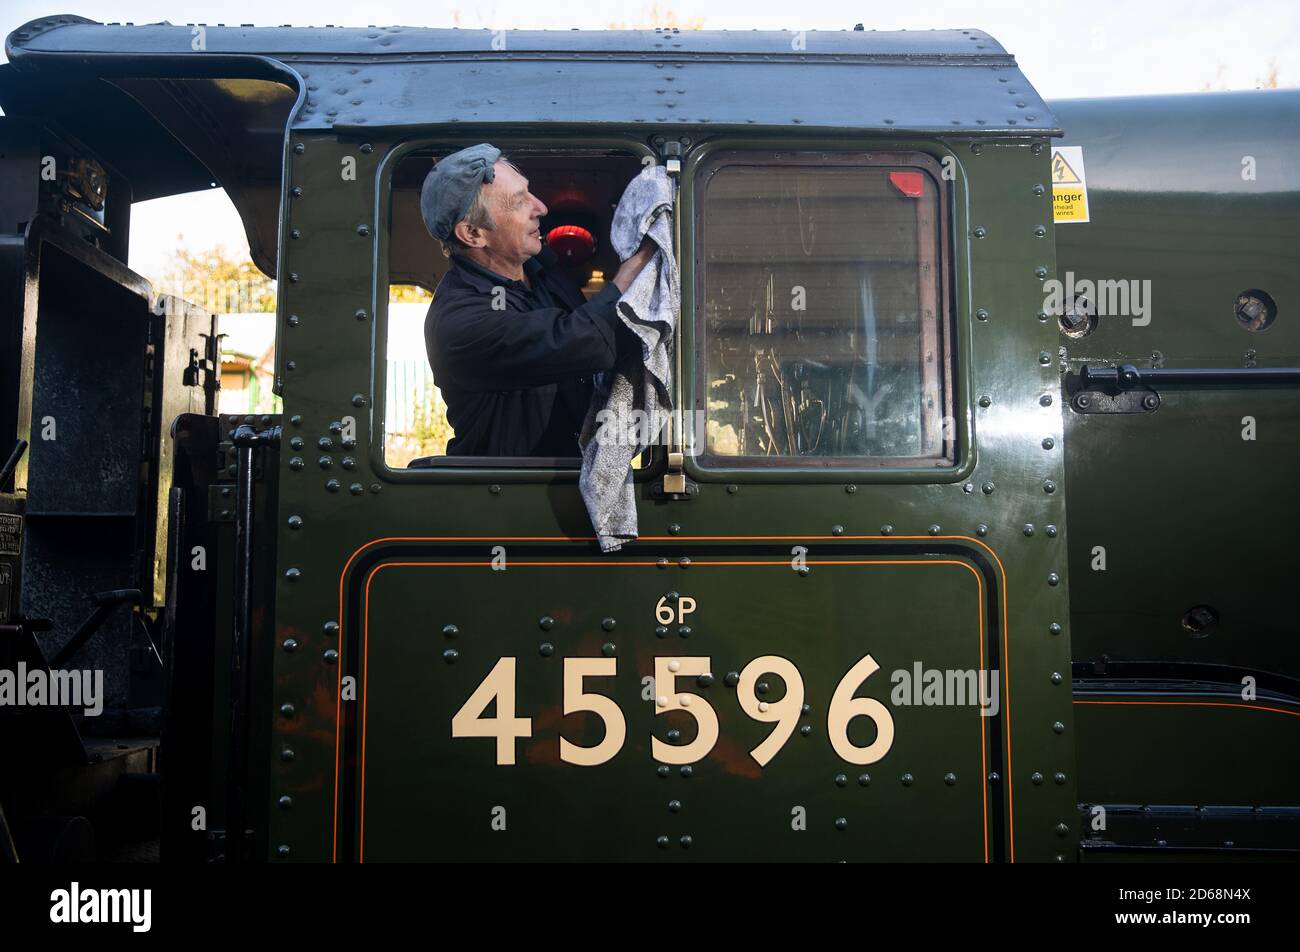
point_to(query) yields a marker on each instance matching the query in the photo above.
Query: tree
(216, 280)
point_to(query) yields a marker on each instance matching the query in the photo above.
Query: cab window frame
(928, 156)
(470, 469)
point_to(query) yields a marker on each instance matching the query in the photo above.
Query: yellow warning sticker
(1069, 185)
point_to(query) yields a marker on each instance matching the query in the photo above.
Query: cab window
(821, 309)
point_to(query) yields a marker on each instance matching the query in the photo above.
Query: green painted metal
(1200, 197)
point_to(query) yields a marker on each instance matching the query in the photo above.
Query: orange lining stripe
(1006, 650)
(1248, 707)
(979, 581)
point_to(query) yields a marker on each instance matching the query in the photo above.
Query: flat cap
(451, 185)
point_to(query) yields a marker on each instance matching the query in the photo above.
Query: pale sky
(1067, 48)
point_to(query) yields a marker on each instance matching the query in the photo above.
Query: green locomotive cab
(845, 629)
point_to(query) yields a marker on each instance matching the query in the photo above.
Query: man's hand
(630, 268)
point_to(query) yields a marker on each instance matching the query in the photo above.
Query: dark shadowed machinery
(925, 315)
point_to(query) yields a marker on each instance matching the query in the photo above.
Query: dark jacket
(517, 381)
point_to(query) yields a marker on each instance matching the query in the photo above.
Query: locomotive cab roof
(175, 108)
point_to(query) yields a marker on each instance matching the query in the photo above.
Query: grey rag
(632, 402)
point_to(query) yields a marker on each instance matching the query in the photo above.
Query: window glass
(820, 299)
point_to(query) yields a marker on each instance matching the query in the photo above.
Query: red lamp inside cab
(573, 244)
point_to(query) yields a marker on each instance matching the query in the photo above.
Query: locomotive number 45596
(506, 727)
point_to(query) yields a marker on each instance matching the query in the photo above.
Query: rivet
(1054, 628)
(546, 649)
(1062, 829)
(850, 489)
(864, 780)
(1028, 529)
(450, 655)
(348, 462)
(608, 624)
(684, 562)
(1045, 400)
(837, 530)
(296, 419)
(981, 314)
(292, 574)
(287, 754)
(332, 485)
(762, 687)
(934, 530)
(661, 631)
(1036, 148)
(704, 680)
(1048, 442)
(286, 710)
(732, 679)
(1058, 778)
(662, 770)
(976, 148)
(1049, 486)
(299, 148)
(376, 488)
(674, 735)
(363, 230)
(980, 231)
(546, 623)
(806, 730)
(325, 443)
(331, 628)
(285, 802)
(986, 401)
(495, 489)
(981, 530)
(950, 779)
(296, 191)
(1051, 532)
(367, 148)
(608, 649)
(290, 645)
(331, 656)
(356, 489)
(296, 463)
(294, 320)
(297, 443)
(987, 488)
(1039, 190)
(358, 400)
(994, 777)
(293, 277)
(674, 806)
(282, 850)
(674, 528)
(968, 488)
(1040, 231)
(684, 700)
(1058, 727)
(295, 522)
(325, 462)
(841, 824)
(295, 234)
(688, 771)
(451, 631)
(686, 842)
(1036, 778)
(805, 709)
(732, 488)
(360, 314)
(1040, 271)
(1042, 317)
(1044, 358)
(662, 842)
(684, 631)
(886, 530)
(907, 779)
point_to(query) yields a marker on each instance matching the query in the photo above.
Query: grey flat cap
(451, 185)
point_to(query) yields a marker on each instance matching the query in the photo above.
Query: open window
(821, 301)
(581, 187)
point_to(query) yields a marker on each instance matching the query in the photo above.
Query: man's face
(517, 213)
